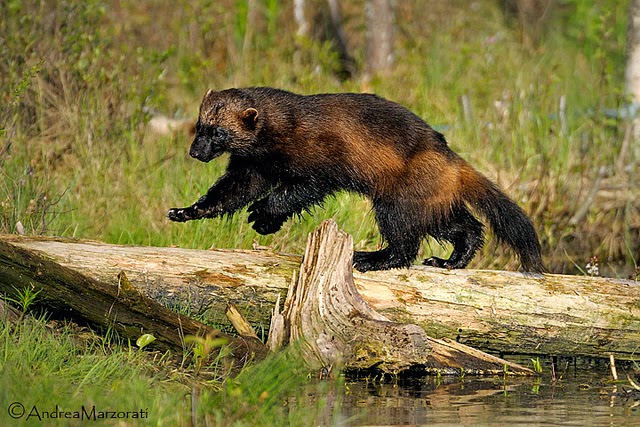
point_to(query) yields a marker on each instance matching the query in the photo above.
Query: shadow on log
(330, 322)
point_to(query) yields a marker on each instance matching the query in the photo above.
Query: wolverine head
(228, 122)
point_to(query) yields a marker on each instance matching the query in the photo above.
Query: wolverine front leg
(269, 213)
(234, 190)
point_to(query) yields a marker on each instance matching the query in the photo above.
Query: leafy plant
(537, 365)
(144, 340)
(24, 297)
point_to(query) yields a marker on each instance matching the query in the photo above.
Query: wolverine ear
(250, 117)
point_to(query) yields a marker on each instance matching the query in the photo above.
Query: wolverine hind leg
(464, 232)
(401, 235)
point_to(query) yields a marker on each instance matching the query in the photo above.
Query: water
(580, 399)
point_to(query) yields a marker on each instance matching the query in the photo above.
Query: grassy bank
(60, 374)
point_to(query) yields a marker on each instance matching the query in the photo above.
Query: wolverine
(289, 152)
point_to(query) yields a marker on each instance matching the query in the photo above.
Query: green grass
(45, 366)
(49, 367)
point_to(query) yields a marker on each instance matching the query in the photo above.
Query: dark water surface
(580, 399)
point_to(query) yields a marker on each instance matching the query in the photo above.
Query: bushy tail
(509, 222)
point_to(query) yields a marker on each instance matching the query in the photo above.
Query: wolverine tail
(509, 222)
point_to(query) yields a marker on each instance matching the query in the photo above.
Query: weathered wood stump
(327, 319)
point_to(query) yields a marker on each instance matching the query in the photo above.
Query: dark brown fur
(288, 152)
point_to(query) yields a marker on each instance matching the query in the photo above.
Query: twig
(8, 313)
(243, 327)
(465, 103)
(563, 114)
(624, 149)
(633, 383)
(614, 372)
(5, 150)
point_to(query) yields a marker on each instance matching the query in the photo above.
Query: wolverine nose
(195, 149)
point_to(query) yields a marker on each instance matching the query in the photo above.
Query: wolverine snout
(205, 148)
(194, 151)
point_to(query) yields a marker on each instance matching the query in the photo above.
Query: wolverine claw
(191, 213)
(253, 216)
(434, 261)
(360, 262)
(177, 215)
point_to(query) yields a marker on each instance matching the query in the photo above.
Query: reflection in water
(582, 400)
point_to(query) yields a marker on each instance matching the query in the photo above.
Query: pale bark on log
(332, 326)
(632, 70)
(499, 312)
(113, 304)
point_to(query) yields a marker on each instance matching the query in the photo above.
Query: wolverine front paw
(179, 214)
(265, 221)
(193, 212)
(267, 225)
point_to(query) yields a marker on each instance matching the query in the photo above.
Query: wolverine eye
(213, 132)
(220, 133)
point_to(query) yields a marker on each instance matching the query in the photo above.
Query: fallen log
(498, 312)
(332, 326)
(346, 332)
(115, 305)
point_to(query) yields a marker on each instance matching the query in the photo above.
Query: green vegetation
(43, 364)
(24, 298)
(47, 366)
(77, 80)
(78, 77)
(536, 365)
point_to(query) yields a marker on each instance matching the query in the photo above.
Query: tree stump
(325, 316)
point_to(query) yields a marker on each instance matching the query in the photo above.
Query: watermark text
(18, 410)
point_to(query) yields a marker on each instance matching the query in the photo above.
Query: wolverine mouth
(206, 155)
